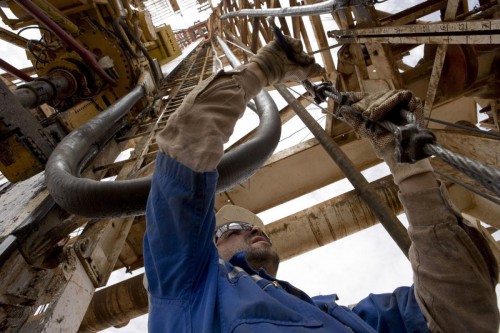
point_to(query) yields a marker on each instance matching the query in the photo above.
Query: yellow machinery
(97, 48)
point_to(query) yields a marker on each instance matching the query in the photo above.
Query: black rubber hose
(122, 36)
(95, 199)
(88, 197)
(254, 153)
(132, 36)
(243, 162)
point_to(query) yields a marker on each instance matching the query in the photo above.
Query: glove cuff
(402, 171)
(269, 64)
(248, 81)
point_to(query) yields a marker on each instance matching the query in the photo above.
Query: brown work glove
(273, 61)
(367, 108)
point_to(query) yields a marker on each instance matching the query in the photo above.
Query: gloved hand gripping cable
(412, 142)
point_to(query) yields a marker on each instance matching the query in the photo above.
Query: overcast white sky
(366, 262)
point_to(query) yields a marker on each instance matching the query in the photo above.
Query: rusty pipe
(305, 10)
(14, 71)
(116, 305)
(255, 34)
(86, 55)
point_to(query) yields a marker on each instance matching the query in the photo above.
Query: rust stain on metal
(316, 231)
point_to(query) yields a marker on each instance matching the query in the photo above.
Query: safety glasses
(234, 226)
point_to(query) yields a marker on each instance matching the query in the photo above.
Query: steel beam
(67, 309)
(451, 11)
(296, 171)
(471, 32)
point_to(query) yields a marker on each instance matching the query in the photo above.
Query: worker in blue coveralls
(209, 273)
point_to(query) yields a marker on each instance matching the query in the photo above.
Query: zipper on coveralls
(275, 283)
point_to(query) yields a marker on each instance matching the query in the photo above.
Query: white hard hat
(232, 213)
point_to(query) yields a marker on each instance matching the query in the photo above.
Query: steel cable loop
(388, 126)
(485, 175)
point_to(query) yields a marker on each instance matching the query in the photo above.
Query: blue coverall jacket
(192, 290)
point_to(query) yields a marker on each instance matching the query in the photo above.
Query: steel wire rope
(465, 128)
(467, 186)
(312, 102)
(319, 121)
(240, 47)
(216, 57)
(379, 208)
(474, 169)
(302, 128)
(295, 91)
(485, 175)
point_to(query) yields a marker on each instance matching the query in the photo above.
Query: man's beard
(263, 258)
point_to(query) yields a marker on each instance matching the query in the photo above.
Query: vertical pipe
(390, 222)
(227, 51)
(263, 144)
(255, 34)
(120, 9)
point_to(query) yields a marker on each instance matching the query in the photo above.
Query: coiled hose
(98, 199)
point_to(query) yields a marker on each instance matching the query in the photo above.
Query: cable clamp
(410, 142)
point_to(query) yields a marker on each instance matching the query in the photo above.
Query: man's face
(252, 240)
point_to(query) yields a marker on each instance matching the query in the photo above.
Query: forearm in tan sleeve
(196, 132)
(454, 273)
